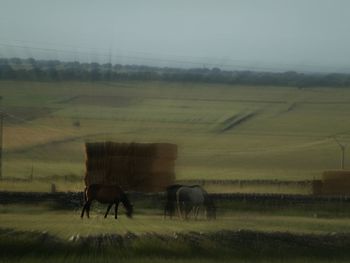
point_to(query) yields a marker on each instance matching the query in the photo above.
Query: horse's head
(128, 205)
(129, 210)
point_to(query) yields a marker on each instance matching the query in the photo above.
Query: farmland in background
(223, 132)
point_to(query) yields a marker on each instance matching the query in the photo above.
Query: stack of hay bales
(133, 166)
(317, 186)
(336, 182)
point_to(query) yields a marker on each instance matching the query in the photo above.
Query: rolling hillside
(223, 132)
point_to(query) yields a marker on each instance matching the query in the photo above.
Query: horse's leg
(88, 205)
(196, 212)
(206, 209)
(188, 211)
(178, 203)
(108, 208)
(184, 211)
(179, 210)
(83, 211)
(172, 209)
(166, 208)
(194, 209)
(116, 209)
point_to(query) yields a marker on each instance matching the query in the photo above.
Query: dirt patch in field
(15, 115)
(291, 107)
(236, 120)
(108, 101)
(326, 102)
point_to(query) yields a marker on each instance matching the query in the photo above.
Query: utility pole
(110, 64)
(1, 135)
(342, 148)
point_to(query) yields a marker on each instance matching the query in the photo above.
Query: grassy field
(66, 224)
(244, 246)
(223, 132)
(41, 233)
(75, 185)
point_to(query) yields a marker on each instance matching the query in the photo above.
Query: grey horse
(191, 199)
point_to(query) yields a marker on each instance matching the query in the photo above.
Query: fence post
(53, 188)
(31, 176)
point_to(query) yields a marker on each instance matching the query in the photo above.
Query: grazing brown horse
(106, 194)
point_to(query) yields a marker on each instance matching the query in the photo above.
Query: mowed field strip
(65, 223)
(223, 132)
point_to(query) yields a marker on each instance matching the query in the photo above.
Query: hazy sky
(312, 35)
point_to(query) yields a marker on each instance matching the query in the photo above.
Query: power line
(107, 56)
(105, 52)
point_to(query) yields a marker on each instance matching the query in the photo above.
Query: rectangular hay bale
(149, 150)
(95, 177)
(133, 166)
(336, 187)
(140, 164)
(336, 182)
(317, 187)
(336, 175)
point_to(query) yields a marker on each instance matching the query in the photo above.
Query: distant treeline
(54, 70)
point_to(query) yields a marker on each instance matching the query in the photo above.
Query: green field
(67, 223)
(223, 132)
(241, 233)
